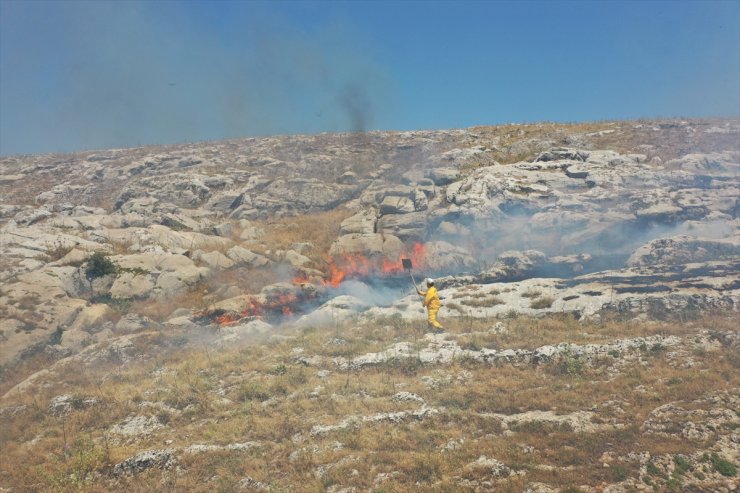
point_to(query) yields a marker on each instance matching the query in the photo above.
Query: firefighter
(432, 304)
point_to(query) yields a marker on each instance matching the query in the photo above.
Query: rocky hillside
(235, 314)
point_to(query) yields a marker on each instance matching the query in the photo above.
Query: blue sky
(78, 75)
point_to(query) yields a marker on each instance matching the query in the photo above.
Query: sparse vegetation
(58, 251)
(543, 302)
(531, 294)
(98, 265)
(723, 466)
(375, 404)
(261, 393)
(482, 301)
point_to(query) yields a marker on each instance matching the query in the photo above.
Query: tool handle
(414, 281)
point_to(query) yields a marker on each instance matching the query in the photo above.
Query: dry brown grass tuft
(319, 229)
(266, 393)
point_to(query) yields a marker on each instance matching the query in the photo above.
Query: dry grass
(275, 399)
(319, 229)
(542, 302)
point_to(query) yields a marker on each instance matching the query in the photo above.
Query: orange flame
(357, 265)
(227, 319)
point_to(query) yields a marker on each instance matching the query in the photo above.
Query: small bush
(280, 369)
(571, 364)
(544, 302)
(722, 466)
(681, 463)
(481, 302)
(98, 265)
(531, 294)
(252, 392)
(619, 473)
(76, 467)
(652, 469)
(471, 346)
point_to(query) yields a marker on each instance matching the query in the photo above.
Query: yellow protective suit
(431, 302)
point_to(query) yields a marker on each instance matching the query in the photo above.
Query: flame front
(338, 270)
(356, 265)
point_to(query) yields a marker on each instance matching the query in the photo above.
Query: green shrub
(98, 265)
(722, 466)
(571, 364)
(652, 469)
(682, 465)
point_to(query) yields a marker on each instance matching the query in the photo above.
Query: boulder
(242, 256)
(338, 309)
(407, 227)
(225, 202)
(394, 191)
(441, 256)
(300, 195)
(368, 245)
(396, 205)
(132, 323)
(296, 259)
(85, 328)
(679, 250)
(245, 331)
(132, 285)
(449, 228)
(347, 178)
(714, 164)
(576, 171)
(421, 203)
(443, 176)
(513, 265)
(664, 213)
(17, 337)
(250, 232)
(173, 273)
(363, 222)
(214, 260)
(561, 153)
(223, 229)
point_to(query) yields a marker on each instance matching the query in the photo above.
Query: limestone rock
(296, 259)
(396, 205)
(214, 260)
(363, 222)
(445, 257)
(132, 323)
(338, 309)
(684, 250)
(368, 245)
(513, 265)
(233, 333)
(242, 256)
(132, 285)
(408, 227)
(443, 176)
(80, 332)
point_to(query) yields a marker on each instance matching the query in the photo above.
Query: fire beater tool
(408, 265)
